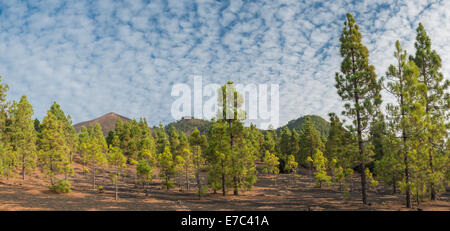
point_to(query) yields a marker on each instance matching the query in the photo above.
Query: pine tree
(270, 142)
(119, 129)
(243, 167)
(198, 145)
(118, 161)
(37, 125)
(167, 167)
(358, 86)
(97, 151)
(23, 136)
(291, 166)
(180, 164)
(270, 165)
(162, 142)
(174, 141)
(340, 143)
(436, 107)
(131, 141)
(310, 141)
(320, 162)
(390, 166)
(110, 137)
(144, 172)
(377, 135)
(218, 156)
(69, 130)
(294, 144)
(284, 147)
(187, 165)
(256, 138)
(53, 153)
(7, 155)
(83, 147)
(241, 152)
(403, 85)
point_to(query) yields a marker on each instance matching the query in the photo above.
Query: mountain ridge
(107, 122)
(187, 125)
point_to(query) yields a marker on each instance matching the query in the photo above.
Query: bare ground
(33, 194)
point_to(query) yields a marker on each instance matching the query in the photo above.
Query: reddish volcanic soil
(33, 194)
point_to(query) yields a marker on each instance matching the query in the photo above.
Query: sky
(95, 57)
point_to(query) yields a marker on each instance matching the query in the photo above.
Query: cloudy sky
(95, 57)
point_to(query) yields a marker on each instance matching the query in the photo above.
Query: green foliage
(198, 144)
(284, 147)
(231, 152)
(63, 186)
(359, 88)
(174, 141)
(319, 162)
(144, 171)
(167, 167)
(436, 105)
(269, 143)
(407, 117)
(116, 159)
(270, 164)
(216, 156)
(372, 182)
(53, 153)
(162, 141)
(291, 165)
(319, 124)
(342, 176)
(23, 135)
(188, 125)
(310, 141)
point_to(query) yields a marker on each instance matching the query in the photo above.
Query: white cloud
(125, 56)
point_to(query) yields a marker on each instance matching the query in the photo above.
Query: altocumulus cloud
(94, 57)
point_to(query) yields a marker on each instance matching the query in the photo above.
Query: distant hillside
(107, 121)
(321, 124)
(188, 125)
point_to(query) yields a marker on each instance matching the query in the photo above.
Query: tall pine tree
(359, 88)
(436, 107)
(23, 135)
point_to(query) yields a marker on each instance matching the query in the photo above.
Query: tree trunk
(51, 170)
(23, 167)
(236, 190)
(84, 166)
(93, 172)
(433, 190)
(359, 130)
(187, 180)
(276, 179)
(115, 185)
(167, 183)
(405, 153)
(361, 155)
(427, 109)
(235, 180)
(198, 179)
(394, 186)
(223, 180)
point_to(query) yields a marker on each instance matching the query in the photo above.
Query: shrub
(100, 189)
(203, 190)
(63, 186)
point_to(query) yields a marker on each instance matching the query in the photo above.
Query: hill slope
(188, 125)
(107, 121)
(320, 123)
